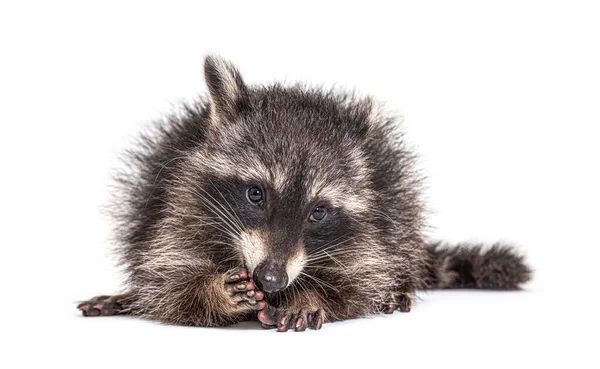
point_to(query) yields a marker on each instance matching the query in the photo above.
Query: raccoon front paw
(243, 291)
(398, 301)
(283, 319)
(103, 306)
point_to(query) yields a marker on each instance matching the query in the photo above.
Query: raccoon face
(278, 232)
(288, 172)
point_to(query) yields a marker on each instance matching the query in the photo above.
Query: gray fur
(184, 221)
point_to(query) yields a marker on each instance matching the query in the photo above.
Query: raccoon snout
(270, 277)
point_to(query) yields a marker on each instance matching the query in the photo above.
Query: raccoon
(292, 205)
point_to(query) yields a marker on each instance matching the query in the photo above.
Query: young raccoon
(293, 205)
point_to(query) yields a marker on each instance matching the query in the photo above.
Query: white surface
(501, 100)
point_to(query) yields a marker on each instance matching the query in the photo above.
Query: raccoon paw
(243, 291)
(103, 306)
(284, 320)
(398, 301)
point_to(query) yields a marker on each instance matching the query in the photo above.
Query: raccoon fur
(293, 205)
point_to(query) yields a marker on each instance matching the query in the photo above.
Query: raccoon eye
(254, 195)
(318, 214)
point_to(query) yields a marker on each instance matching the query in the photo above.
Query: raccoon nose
(270, 277)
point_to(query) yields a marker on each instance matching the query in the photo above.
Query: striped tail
(497, 267)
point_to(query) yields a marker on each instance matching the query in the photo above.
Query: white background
(502, 100)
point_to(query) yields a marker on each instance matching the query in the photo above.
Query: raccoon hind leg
(401, 301)
(105, 305)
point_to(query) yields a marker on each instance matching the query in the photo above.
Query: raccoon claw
(240, 274)
(301, 321)
(103, 306)
(404, 302)
(244, 291)
(284, 320)
(401, 302)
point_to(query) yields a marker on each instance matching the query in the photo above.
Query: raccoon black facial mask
(229, 214)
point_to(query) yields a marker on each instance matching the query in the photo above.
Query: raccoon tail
(498, 267)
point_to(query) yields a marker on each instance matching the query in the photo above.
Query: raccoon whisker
(226, 219)
(295, 292)
(301, 284)
(223, 226)
(320, 267)
(220, 227)
(321, 257)
(337, 252)
(230, 243)
(337, 261)
(330, 246)
(240, 222)
(336, 247)
(320, 260)
(216, 225)
(214, 205)
(333, 242)
(220, 214)
(202, 217)
(320, 282)
(345, 272)
(325, 254)
(229, 215)
(206, 221)
(297, 288)
(304, 286)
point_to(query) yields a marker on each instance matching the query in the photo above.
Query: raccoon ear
(228, 93)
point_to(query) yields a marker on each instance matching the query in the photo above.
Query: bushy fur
(476, 266)
(182, 213)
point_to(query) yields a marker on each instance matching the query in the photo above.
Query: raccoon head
(288, 171)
